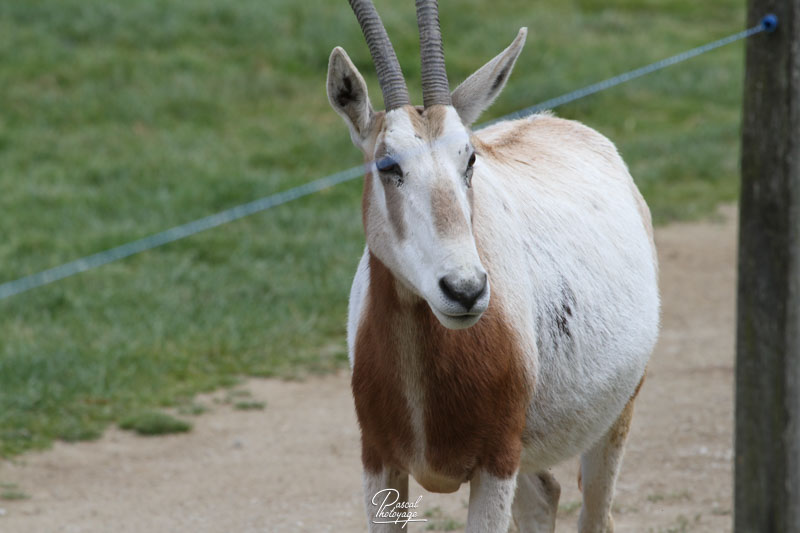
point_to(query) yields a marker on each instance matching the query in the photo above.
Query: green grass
(569, 508)
(12, 495)
(439, 521)
(250, 405)
(120, 119)
(192, 408)
(151, 423)
(11, 491)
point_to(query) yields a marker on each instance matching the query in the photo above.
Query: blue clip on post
(769, 23)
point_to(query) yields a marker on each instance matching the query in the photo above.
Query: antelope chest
(434, 402)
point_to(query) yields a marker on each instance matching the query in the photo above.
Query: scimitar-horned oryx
(504, 310)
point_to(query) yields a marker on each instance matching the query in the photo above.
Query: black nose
(463, 291)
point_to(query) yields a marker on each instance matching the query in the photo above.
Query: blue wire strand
(10, 288)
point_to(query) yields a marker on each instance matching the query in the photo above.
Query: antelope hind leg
(598, 475)
(536, 502)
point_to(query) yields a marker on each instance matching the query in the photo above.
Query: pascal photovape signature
(392, 511)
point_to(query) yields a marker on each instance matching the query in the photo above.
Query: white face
(419, 212)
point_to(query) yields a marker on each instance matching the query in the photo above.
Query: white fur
(421, 260)
(566, 219)
(490, 500)
(563, 232)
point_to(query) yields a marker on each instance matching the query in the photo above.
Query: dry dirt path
(294, 467)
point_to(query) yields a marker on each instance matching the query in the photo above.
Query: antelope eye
(387, 165)
(468, 172)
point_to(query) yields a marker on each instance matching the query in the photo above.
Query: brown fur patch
(447, 217)
(376, 127)
(619, 431)
(366, 194)
(394, 204)
(394, 201)
(473, 384)
(527, 136)
(638, 387)
(476, 394)
(511, 139)
(428, 123)
(384, 416)
(483, 148)
(434, 120)
(647, 219)
(417, 121)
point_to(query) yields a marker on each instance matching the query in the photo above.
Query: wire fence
(10, 288)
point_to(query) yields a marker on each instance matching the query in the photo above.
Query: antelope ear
(347, 93)
(478, 91)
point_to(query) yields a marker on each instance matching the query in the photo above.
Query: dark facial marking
(394, 205)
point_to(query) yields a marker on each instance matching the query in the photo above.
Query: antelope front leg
(381, 491)
(490, 500)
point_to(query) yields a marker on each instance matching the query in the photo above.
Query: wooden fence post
(767, 456)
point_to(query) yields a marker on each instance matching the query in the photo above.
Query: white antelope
(452, 385)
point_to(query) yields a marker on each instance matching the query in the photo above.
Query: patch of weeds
(568, 508)
(622, 509)
(434, 512)
(75, 432)
(448, 524)
(250, 405)
(670, 497)
(234, 396)
(438, 521)
(13, 494)
(193, 409)
(154, 423)
(681, 526)
(445, 524)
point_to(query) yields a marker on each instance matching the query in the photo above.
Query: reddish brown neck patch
(472, 382)
(383, 414)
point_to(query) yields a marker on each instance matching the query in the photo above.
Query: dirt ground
(294, 466)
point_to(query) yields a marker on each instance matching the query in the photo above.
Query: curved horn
(390, 77)
(435, 89)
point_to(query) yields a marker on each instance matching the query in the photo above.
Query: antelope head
(418, 195)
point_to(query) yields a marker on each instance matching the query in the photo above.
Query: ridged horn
(435, 89)
(390, 77)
